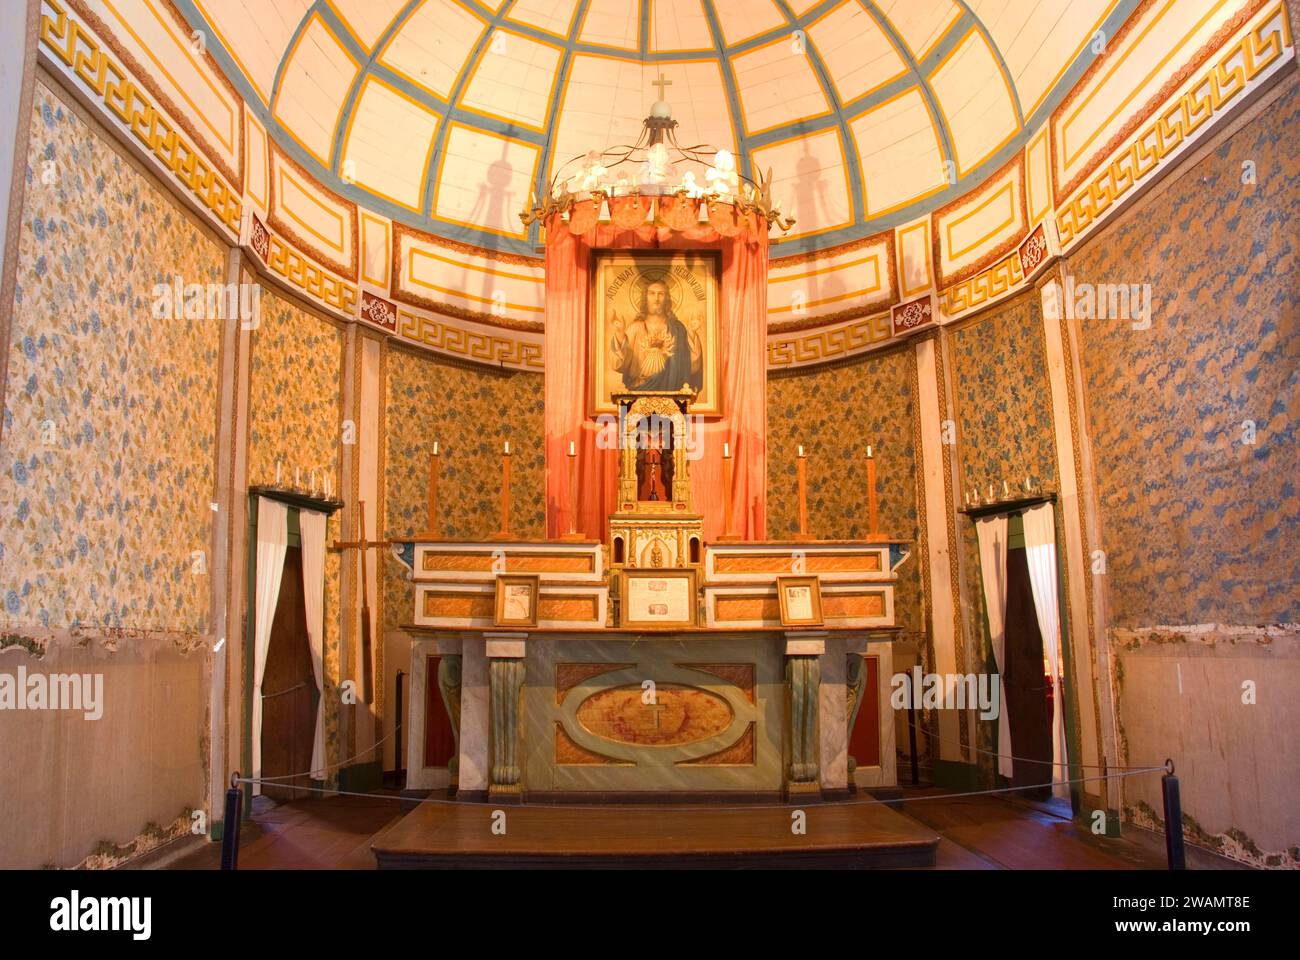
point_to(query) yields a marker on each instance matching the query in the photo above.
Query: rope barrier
(685, 806)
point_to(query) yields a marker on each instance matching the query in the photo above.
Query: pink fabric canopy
(743, 377)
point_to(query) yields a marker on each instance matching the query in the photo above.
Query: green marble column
(505, 682)
(803, 683)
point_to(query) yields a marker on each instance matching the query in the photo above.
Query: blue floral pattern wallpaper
(1193, 422)
(110, 415)
(469, 412)
(834, 413)
(295, 392)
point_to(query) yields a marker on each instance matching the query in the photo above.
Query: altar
(652, 663)
(739, 706)
(656, 645)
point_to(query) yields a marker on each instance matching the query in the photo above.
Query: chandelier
(656, 177)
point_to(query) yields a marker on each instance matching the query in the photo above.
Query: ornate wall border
(117, 93)
(146, 79)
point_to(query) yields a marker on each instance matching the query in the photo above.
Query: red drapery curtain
(742, 328)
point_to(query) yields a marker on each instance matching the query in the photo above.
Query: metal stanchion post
(230, 825)
(1173, 819)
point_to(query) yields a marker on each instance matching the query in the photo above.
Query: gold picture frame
(801, 601)
(512, 590)
(630, 351)
(655, 598)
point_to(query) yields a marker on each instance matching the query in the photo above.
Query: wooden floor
(975, 833)
(670, 836)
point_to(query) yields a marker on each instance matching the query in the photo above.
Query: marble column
(803, 653)
(505, 656)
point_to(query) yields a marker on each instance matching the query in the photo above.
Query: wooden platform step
(849, 834)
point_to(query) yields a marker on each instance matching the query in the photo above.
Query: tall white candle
(507, 448)
(573, 449)
(801, 451)
(435, 448)
(726, 449)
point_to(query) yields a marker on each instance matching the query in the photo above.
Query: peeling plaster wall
(1201, 529)
(108, 460)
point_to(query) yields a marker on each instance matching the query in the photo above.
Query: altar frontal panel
(711, 722)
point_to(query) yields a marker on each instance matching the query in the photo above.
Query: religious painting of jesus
(655, 326)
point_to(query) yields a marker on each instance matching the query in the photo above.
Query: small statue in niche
(654, 463)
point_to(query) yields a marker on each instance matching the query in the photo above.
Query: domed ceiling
(446, 114)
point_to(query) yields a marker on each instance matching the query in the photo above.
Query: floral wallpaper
(110, 415)
(470, 412)
(1193, 422)
(834, 413)
(295, 396)
(1003, 405)
(1002, 397)
(294, 411)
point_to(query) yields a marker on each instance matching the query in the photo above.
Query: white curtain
(992, 532)
(272, 544)
(312, 526)
(1040, 550)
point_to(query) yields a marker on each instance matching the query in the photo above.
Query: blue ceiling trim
(457, 88)
(1118, 17)
(801, 127)
(542, 184)
(936, 115)
(492, 241)
(284, 54)
(853, 164)
(945, 44)
(1002, 63)
(367, 67)
(798, 22)
(729, 83)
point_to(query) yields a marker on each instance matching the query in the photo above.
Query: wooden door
(288, 691)
(1026, 685)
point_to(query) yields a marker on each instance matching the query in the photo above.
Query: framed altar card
(516, 601)
(654, 326)
(654, 597)
(801, 601)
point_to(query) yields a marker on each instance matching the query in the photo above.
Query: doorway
(288, 692)
(1026, 684)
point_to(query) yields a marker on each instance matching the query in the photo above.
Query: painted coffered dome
(447, 114)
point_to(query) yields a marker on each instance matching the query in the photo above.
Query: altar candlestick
(573, 494)
(726, 492)
(433, 492)
(1006, 489)
(801, 464)
(1029, 487)
(873, 535)
(504, 532)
